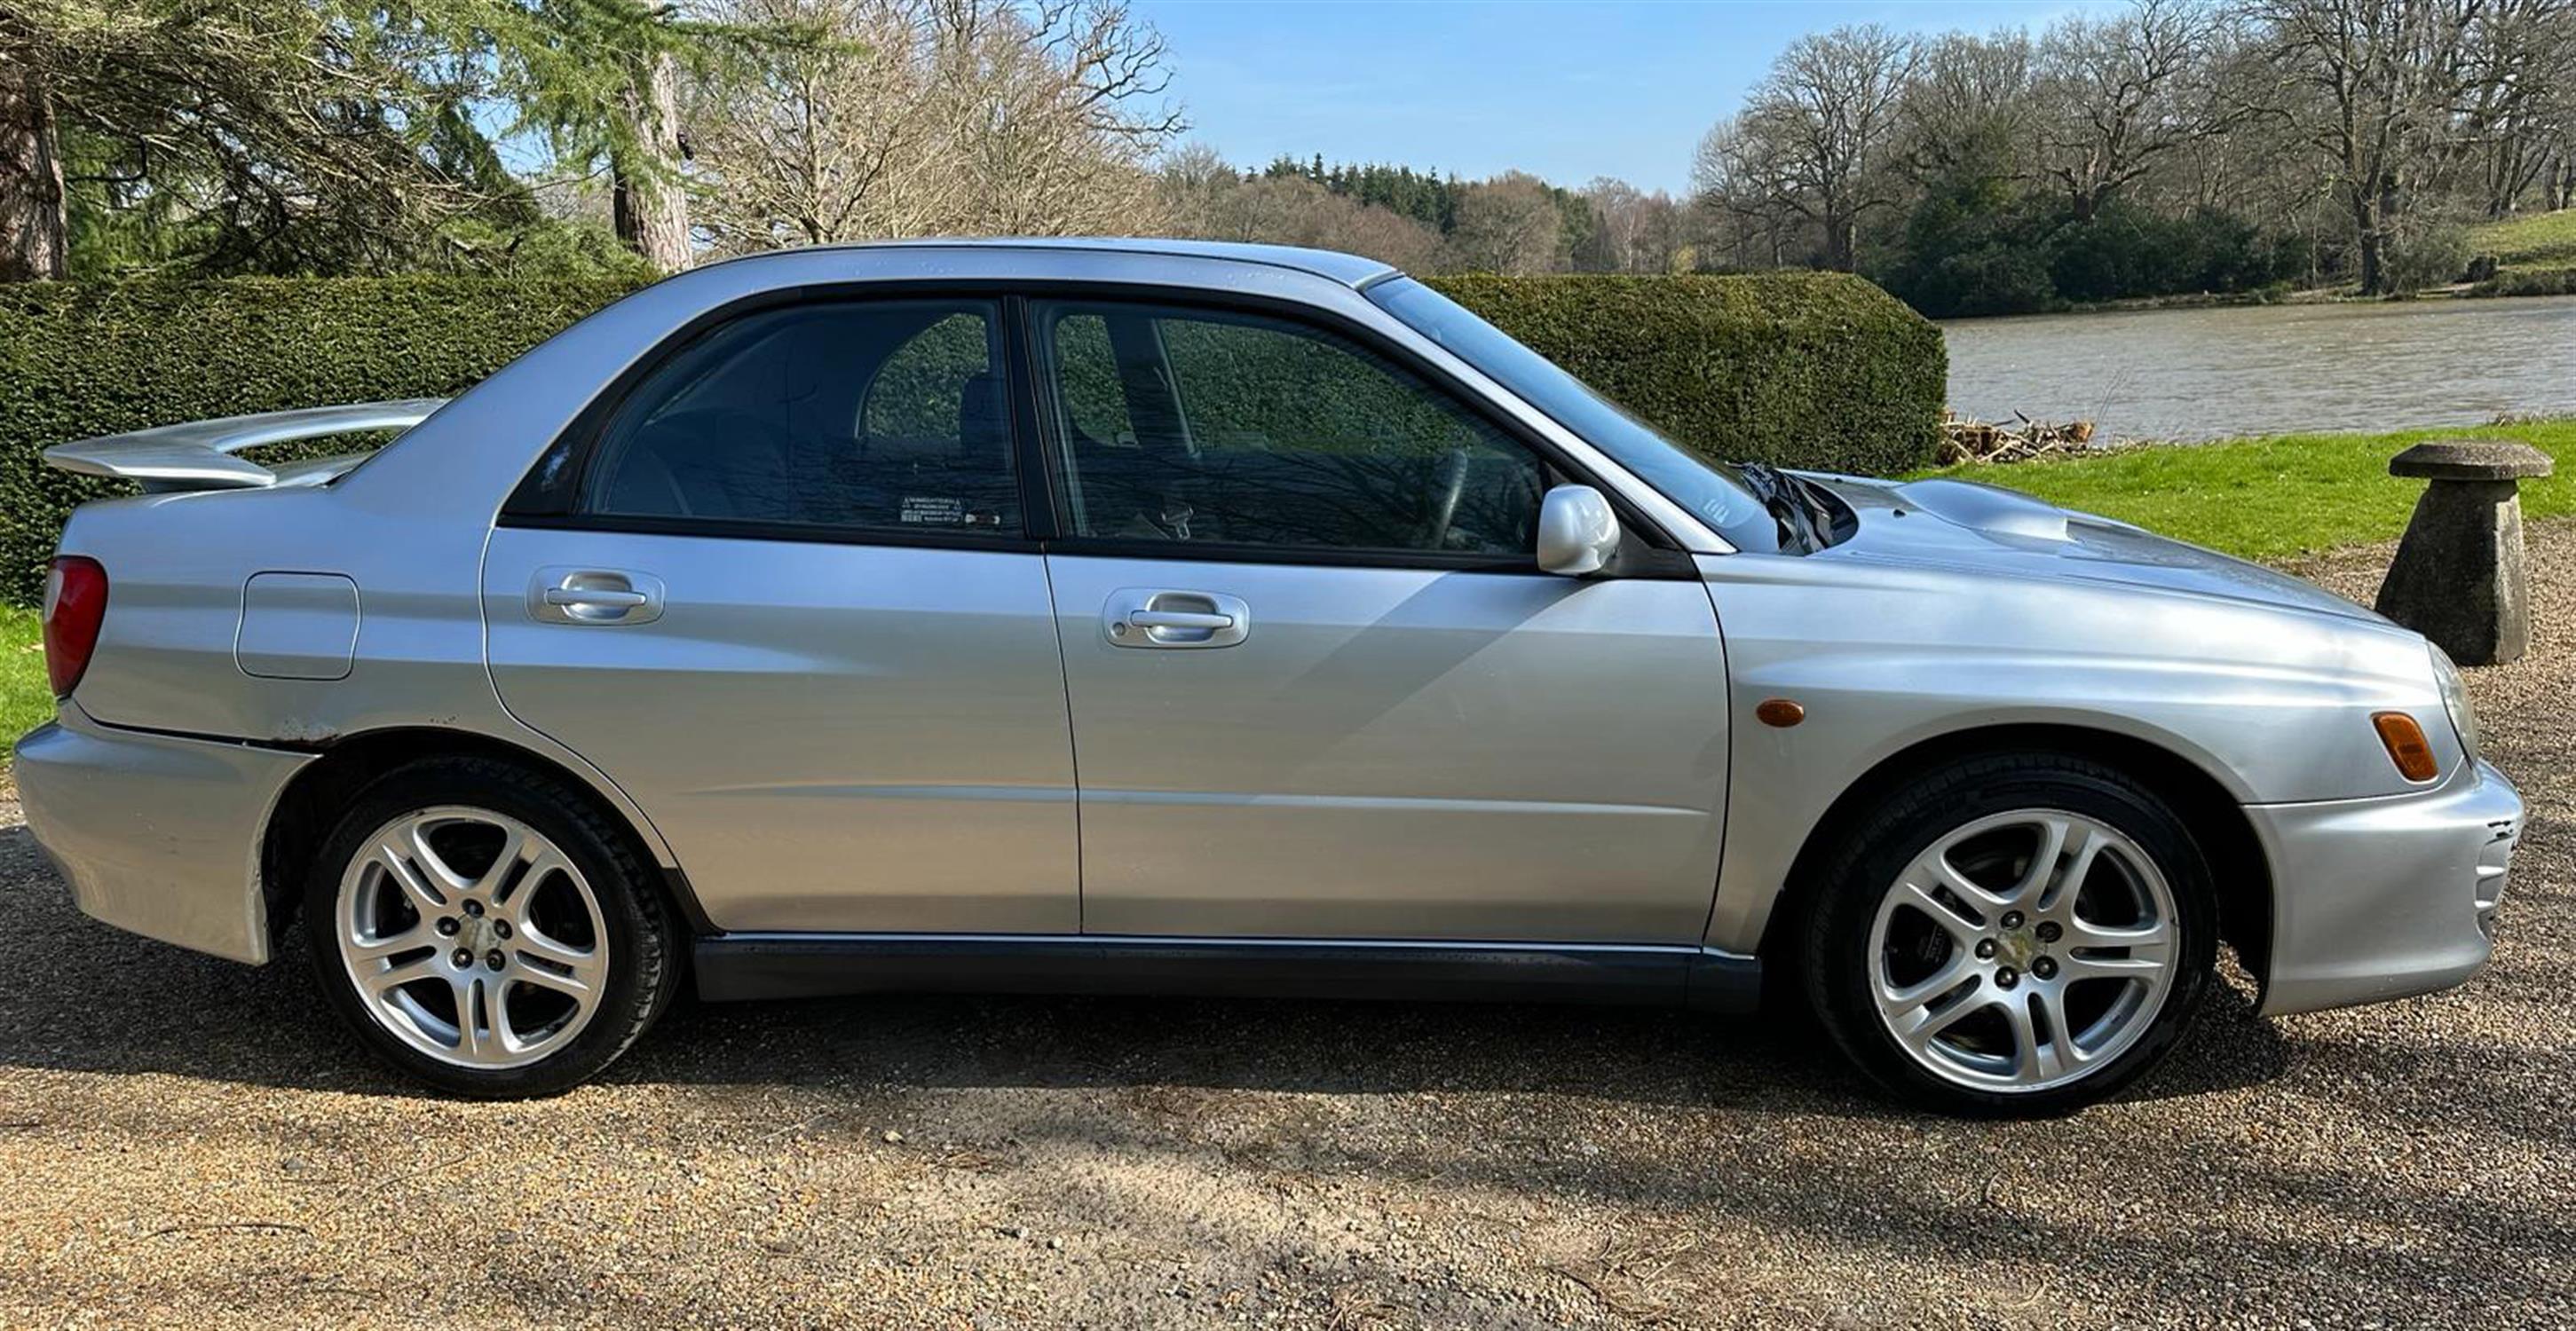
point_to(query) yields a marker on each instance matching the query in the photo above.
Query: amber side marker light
(2406, 746)
(1779, 712)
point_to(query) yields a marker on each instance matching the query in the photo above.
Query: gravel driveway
(186, 1141)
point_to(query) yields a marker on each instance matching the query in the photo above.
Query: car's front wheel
(2014, 934)
(486, 929)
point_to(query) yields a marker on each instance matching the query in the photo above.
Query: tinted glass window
(1709, 489)
(877, 415)
(1206, 427)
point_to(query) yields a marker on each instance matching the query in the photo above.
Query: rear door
(786, 600)
(1320, 688)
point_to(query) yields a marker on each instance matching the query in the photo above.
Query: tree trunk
(1842, 241)
(651, 210)
(33, 247)
(2369, 237)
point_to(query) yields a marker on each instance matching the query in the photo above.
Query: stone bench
(2460, 578)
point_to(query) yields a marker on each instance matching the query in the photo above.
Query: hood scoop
(1986, 508)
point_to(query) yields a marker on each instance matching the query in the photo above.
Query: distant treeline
(2172, 146)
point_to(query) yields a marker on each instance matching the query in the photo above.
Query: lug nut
(474, 908)
(2044, 967)
(446, 925)
(2007, 978)
(500, 928)
(2012, 919)
(495, 960)
(2049, 932)
(463, 957)
(1985, 949)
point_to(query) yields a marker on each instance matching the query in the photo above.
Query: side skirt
(801, 965)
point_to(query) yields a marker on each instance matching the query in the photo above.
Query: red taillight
(75, 605)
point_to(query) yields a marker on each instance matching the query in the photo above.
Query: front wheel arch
(313, 798)
(2216, 821)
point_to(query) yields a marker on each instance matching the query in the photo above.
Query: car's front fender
(2272, 705)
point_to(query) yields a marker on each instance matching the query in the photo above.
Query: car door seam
(1072, 741)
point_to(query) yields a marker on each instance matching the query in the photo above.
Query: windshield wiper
(1803, 523)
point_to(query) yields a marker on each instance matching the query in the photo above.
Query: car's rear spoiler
(199, 454)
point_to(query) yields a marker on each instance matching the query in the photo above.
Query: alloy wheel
(2024, 950)
(472, 937)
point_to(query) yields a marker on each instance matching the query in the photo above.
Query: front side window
(1204, 427)
(886, 415)
(1713, 491)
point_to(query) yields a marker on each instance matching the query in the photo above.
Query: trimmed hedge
(1815, 370)
(80, 359)
(1803, 369)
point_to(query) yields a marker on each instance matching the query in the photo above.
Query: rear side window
(884, 416)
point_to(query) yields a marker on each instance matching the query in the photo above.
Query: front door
(793, 612)
(1319, 687)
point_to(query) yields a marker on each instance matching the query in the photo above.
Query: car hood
(1977, 528)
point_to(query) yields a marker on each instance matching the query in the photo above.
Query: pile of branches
(2017, 440)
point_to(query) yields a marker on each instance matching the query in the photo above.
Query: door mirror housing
(1578, 531)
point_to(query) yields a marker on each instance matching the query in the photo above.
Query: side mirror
(1578, 531)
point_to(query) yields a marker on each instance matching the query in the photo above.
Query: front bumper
(2384, 898)
(157, 834)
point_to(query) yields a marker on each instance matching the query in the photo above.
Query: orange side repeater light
(2406, 746)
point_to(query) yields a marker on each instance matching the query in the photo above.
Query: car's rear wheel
(2013, 934)
(485, 929)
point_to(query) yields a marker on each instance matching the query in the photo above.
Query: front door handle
(568, 594)
(596, 598)
(1161, 617)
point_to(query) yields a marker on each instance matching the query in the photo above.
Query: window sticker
(934, 510)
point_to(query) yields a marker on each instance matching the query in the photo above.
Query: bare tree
(1741, 195)
(1508, 224)
(1820, 126)
(2521, 111)
(1206, 199)
(1968, 109)
(2372, 86)
(2116, 94)
(1191, 185)
(930, 117)
(1633, 231)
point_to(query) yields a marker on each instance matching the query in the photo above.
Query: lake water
(2196, 374)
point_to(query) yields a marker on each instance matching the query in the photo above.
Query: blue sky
(1569, 91)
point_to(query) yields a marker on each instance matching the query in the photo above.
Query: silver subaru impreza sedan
(1156, 616)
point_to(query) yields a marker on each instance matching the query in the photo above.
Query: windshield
(1712, 491)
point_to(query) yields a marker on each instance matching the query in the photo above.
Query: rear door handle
(1179, 619)
(1168, 618)
(569, 594)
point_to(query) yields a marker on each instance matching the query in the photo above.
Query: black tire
(643, 943)
(1834, 958)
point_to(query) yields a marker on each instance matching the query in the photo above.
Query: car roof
(1348, 269)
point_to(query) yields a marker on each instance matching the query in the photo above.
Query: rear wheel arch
(313, 800)
(2216, 821)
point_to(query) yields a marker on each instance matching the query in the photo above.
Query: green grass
(2540, 240)
(2271, 497)
(2535, 255)
(26, 699)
